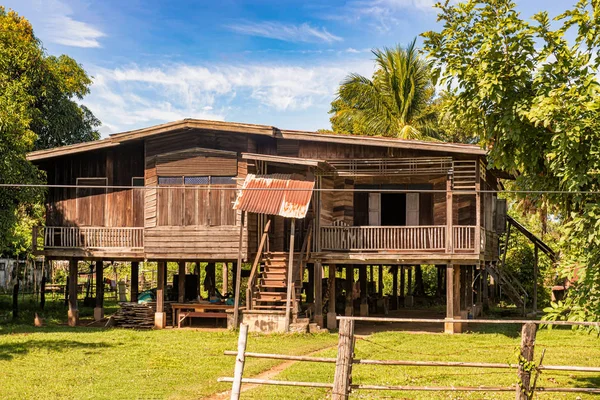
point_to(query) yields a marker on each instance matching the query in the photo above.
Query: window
(196, 180)
(137, 182)
(2, 266)
(222, 180)
(170, 180)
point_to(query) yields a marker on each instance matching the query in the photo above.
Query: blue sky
(274, 62)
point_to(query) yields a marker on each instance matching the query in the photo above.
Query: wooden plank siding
(194, 221)
(193, 243)
(108, 207)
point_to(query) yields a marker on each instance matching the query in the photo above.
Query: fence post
(239, 363)
(528, 333)
(343, 364)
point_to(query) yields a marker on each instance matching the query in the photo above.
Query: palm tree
(394, 103)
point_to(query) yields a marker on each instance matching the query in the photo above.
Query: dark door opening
(393, 209)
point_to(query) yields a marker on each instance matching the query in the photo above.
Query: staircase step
(271, 296)
(273, 283)
(273, 276)
(265, 307)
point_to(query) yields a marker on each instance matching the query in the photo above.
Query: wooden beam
(343, 365)
(363, 282)
(402, 280)
(318, 278)
(73, 314)
(135, 277)
(478, 210)
(181, 282)
(528, 333)
(449, 216)
(290, 276)
(535, 277)
(331, 314)
(349, 289)
(238, 274)
(395, 286)
(99, 309)
(380, 283)
(225, 277)
(160, 318)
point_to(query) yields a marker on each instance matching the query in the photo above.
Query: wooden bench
(199, 314)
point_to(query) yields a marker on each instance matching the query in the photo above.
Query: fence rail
(92, 237)
(527, 371)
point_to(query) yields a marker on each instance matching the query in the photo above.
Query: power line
(333, 190)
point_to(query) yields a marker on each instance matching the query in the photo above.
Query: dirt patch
(268, 374)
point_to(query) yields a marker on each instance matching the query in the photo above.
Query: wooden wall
(191, 222)
(96, 207)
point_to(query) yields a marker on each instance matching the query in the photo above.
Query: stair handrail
(253, 274)
(304, 247)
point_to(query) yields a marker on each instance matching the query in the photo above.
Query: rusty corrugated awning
(276, 194)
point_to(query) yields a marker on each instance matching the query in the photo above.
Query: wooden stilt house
(167, 193)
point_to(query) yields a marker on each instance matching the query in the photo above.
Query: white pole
(239, 363)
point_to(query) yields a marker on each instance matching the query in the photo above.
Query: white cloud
(54, 22)
(286, 32)
(383, 14)
(132, 97)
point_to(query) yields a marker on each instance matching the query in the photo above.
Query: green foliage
(36, 111)
(536, 97)
(393, 103)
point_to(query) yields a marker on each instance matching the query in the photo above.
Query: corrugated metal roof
(276, 194)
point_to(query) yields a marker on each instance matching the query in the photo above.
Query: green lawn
(88, 363)
(563, 347)
(58, 362)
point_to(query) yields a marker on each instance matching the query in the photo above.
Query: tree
(536, 96)
(393, 103)
(36, 111)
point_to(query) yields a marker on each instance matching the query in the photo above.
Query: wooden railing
(264, 240)
(402, 238)
(430, 238)
(464, 237)
(91, 237)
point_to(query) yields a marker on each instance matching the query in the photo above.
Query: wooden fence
(526, 377)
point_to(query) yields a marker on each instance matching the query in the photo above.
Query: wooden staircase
(271, 290)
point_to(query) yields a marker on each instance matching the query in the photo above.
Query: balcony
(62, 237)
(415, 239)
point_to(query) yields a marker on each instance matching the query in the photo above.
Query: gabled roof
(253, 129)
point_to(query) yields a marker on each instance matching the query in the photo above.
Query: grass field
(58, 362)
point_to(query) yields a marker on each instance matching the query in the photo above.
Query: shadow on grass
(587, 381)
(9, 350)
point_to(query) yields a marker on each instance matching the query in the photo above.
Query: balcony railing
(90, 237)
(397, 238)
